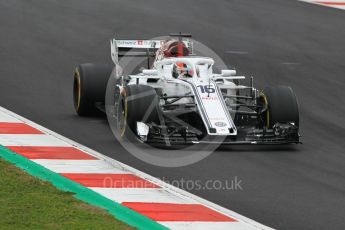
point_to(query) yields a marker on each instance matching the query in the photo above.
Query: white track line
(31, 140)
(80, 166)
(7, 118)
(158, 195)
(196, 225)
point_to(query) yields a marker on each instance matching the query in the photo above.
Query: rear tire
(282, 106)
(89, 87)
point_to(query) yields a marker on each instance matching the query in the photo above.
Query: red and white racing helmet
(175, 48)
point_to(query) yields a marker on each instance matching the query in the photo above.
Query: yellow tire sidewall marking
(77, 77)
(123, 131)
(267, 112)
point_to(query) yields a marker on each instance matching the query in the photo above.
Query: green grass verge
(27, 202)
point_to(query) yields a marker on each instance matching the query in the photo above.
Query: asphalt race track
(277, 41)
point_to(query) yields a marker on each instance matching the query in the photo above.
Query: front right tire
(281, 104)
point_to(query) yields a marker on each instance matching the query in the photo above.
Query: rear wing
(139, 48)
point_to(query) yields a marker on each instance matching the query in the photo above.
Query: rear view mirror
(150, 72)
(228, 72)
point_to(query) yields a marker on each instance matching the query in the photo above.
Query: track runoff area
(339, 4)
(130, 195)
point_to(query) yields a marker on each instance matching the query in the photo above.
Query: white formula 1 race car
(179, 99)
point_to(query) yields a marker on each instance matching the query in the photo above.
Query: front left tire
(136, 103)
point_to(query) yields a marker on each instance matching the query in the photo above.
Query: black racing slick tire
(89, 87)
(137, 103)
(282, 106)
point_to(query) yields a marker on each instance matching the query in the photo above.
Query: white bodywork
(203, 84)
